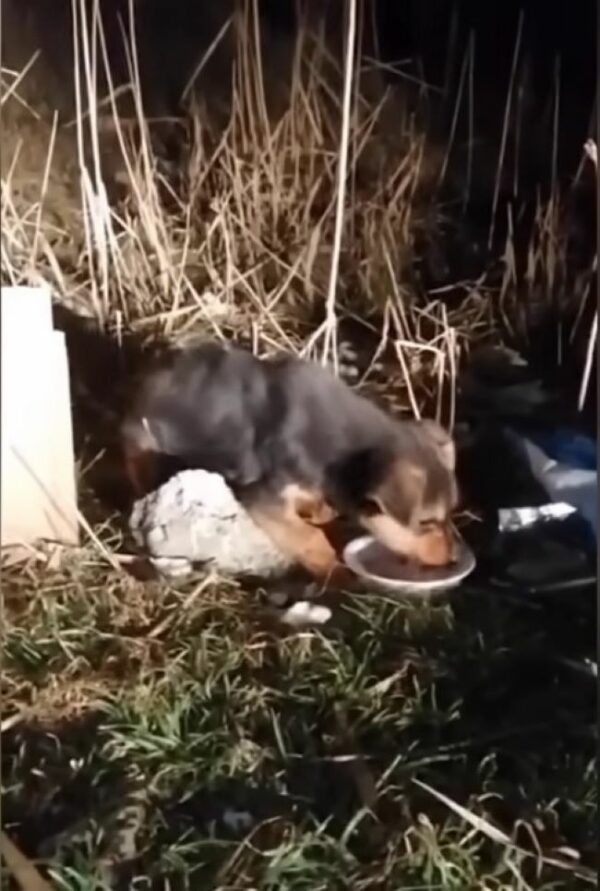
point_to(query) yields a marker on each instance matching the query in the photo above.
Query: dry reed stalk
(18, 78)
(591, 150)
(23, 871)
(330, 324)
(455, 116)
(471, 120)
(505, 128)
(205, 59)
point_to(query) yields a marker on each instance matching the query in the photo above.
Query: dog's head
(403, 492)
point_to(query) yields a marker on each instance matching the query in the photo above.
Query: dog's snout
(436, 546)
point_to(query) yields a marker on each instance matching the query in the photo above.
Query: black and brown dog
(298, 448)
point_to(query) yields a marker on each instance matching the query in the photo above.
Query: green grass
(315, 738)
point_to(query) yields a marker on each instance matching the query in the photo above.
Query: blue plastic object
(568, 447)
(562, 467)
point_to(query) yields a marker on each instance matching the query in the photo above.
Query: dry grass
(239, 241)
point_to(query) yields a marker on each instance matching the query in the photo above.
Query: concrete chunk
(195, 517)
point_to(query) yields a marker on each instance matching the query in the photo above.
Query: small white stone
(304, 613)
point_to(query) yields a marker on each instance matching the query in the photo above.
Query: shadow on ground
(102, 367)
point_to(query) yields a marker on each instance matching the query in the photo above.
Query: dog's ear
(442, 442)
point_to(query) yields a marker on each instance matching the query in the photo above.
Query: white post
(38, 496)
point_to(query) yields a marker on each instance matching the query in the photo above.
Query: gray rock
(194, 518)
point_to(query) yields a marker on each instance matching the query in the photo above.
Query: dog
(298, 448)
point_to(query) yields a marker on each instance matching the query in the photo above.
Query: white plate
(419, 581)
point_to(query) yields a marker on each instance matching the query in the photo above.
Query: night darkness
(555, 32)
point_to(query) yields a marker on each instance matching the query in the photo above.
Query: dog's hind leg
(140, 469)
(140, 456)
(279, 517)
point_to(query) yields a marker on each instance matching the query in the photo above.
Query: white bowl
(417, 581)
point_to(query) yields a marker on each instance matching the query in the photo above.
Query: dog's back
(318, 418)
(201, 408)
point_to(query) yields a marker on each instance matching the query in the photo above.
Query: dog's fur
(298, 448)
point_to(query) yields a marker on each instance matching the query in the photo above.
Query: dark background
(554, 32)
